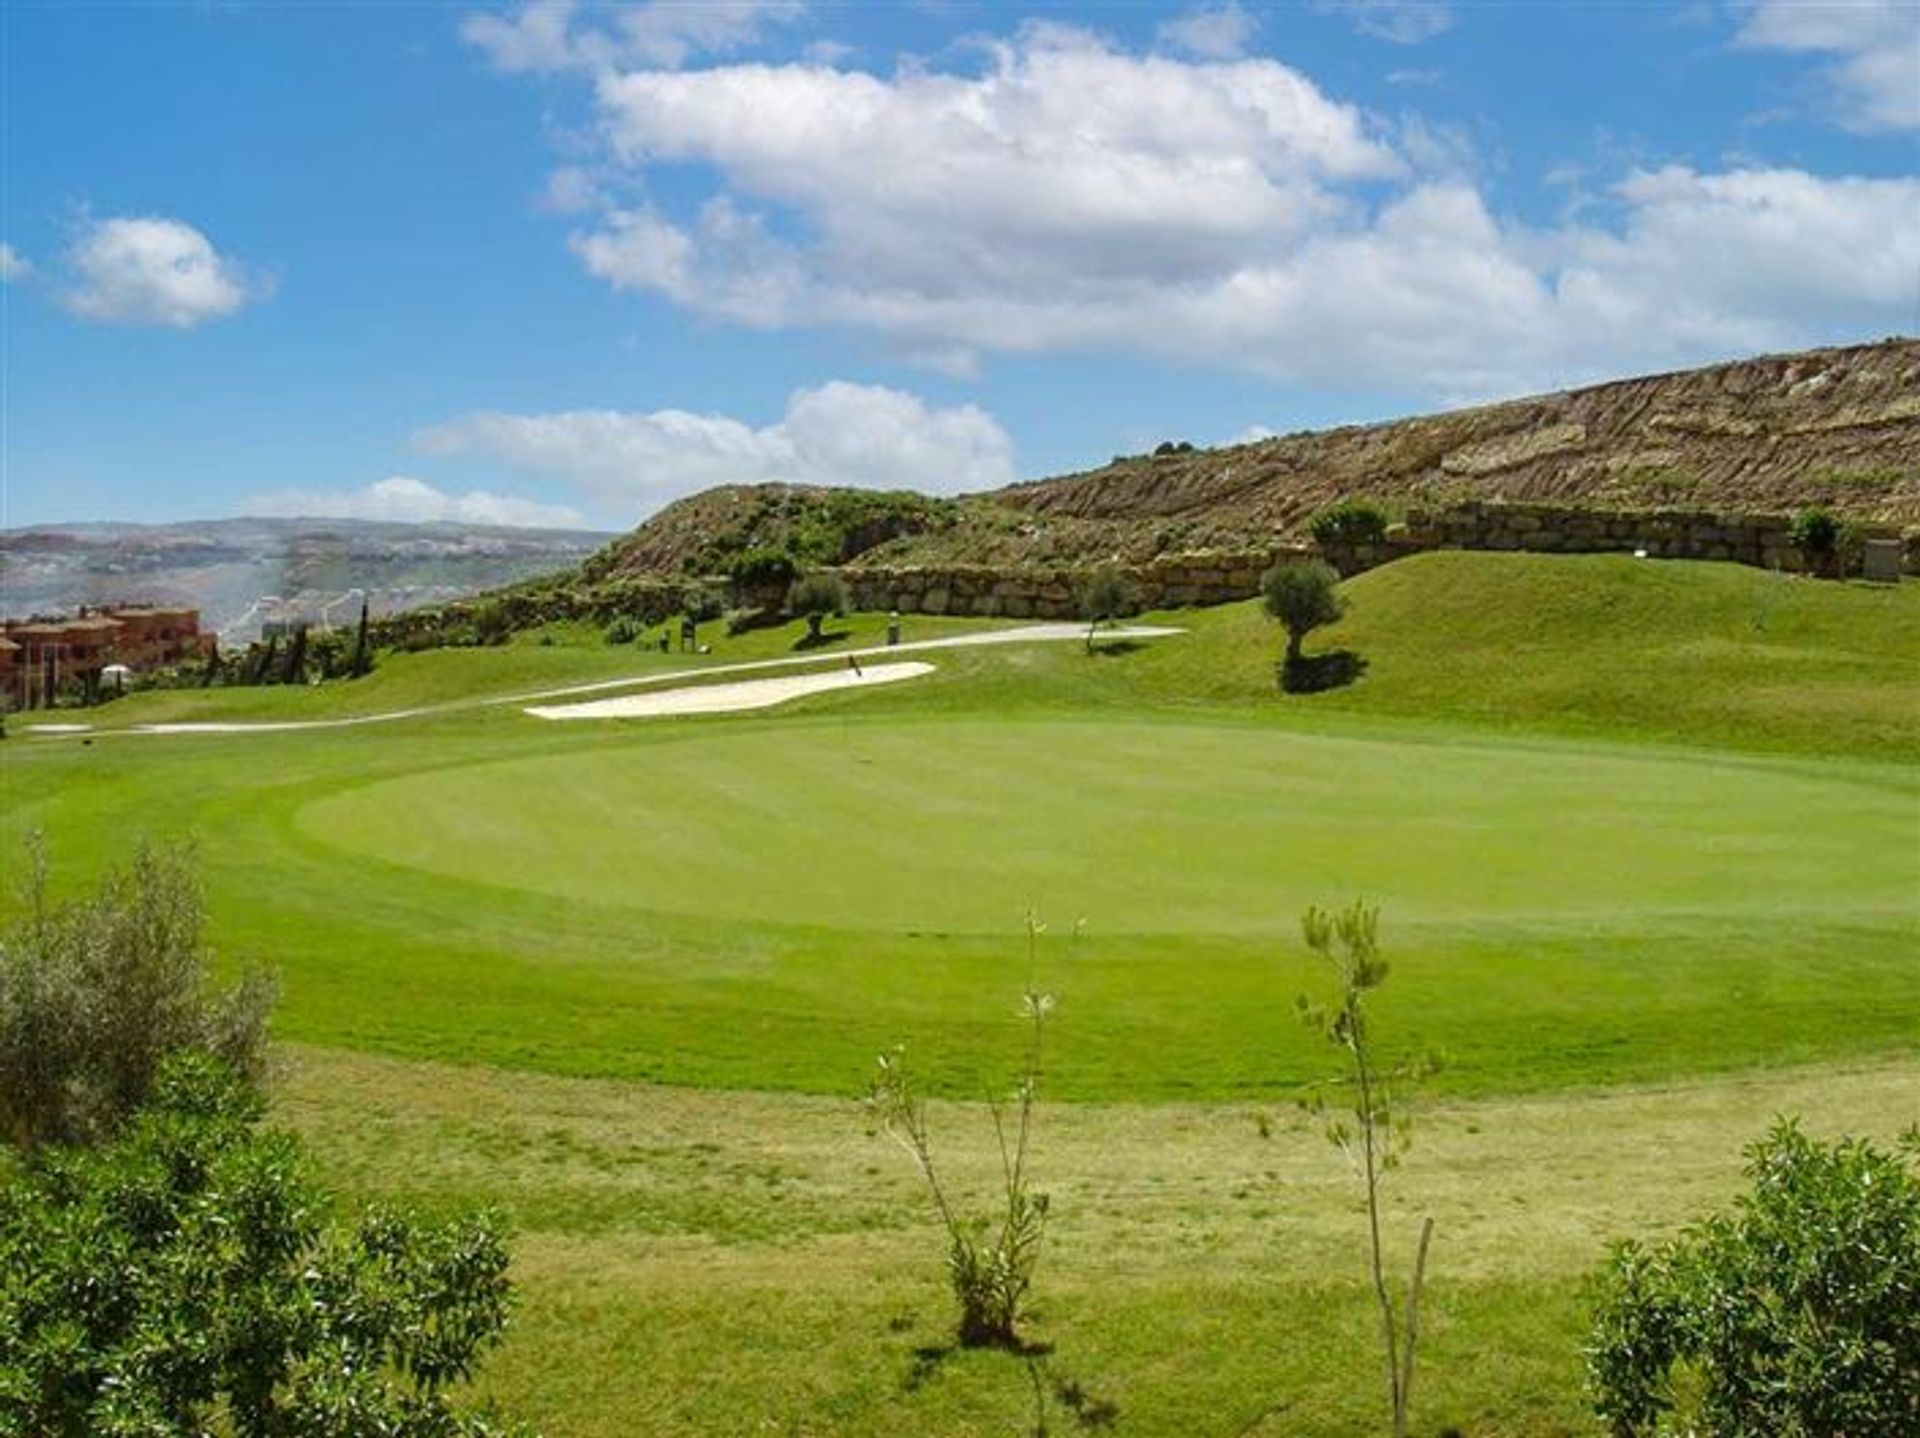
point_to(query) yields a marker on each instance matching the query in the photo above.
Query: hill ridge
(1838, 426)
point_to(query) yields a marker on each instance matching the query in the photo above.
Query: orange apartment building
(40, 657)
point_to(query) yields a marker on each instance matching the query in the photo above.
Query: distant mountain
(241, 572)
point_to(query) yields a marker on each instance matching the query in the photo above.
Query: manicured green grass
(761, 902)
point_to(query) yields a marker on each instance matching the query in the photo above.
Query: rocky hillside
(1839, 427)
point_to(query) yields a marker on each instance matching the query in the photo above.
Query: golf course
(1644, 837)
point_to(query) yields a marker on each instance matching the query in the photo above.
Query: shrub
(95, 994)
(1796, 1316)
(623, 630)
(764, 569)
(1816, 533)
(188, 1278)
(815, 597)
(492, 624)
(1303, 596)
(1354, 521)
(1104, 596)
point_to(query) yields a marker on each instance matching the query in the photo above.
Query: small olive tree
(814, 597)
(1303, 596)
(97, 992)
(1365, 1120)
(1104, 596)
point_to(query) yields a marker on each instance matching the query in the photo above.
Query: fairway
(1150, 827)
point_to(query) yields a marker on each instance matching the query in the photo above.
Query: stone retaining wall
(1170, 582)
(1762, 540)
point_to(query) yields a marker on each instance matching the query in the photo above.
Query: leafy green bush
(1797, 1316)
(492, 622)
(1816, 533)
(764, 569)
(1353, 521)
(95, 994)
(1303, 596)
(816, 596)
(623, 630)
(189, 1278)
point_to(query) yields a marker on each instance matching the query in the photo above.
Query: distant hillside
(1840, 427)
(240, 572)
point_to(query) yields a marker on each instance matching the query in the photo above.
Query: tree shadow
(1317, 673)
(822, 639)
(1114, 648)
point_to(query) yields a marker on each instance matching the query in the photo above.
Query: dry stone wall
(1222, 577)
(1040, 592)
(1762, 540)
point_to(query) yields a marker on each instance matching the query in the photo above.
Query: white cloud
(1404, 22)
(1875, 45)
(1066, 195)
(840, 433)
(13, 264)
(403, 500)
(1221, 32)
(545, 37)
(153, 271)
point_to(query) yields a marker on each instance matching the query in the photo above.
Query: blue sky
(561, 263)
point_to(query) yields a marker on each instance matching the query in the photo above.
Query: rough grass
(743, 1264)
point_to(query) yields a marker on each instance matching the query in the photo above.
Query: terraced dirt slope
(1839, 427)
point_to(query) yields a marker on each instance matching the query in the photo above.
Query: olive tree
(814, 597)
(1104, 596)
(1304, 597)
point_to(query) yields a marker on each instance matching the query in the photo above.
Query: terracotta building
(42, 656)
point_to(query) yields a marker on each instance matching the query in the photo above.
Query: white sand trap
(731, 698)
(59, 728)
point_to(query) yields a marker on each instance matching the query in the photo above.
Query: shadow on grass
(1114, 648)
(822, 639)
(1317, 673)
(1088, 1411)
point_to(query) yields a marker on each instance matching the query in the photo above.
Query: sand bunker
(731, 698)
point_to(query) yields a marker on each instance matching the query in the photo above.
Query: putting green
(1160, 827)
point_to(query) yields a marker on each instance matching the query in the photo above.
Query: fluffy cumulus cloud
(153, 271)
(13, 264)
(1058, 192)
(550, 35)
(837, 434)
(401, 499)
(1874, 50)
